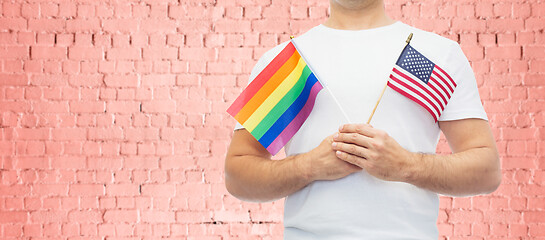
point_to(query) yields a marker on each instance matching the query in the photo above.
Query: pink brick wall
(113, 123)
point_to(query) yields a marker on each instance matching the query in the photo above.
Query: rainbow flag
(277, 102)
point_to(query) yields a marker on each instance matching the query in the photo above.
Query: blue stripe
(289, 114)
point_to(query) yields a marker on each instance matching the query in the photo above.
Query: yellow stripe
(275, 97)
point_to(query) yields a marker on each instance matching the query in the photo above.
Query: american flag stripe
(440, 85)
(443, 80)
(420, 85)
(433, 85)
(445, 74)
(410, 89)
(415, 98)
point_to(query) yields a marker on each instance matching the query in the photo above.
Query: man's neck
(357, 18)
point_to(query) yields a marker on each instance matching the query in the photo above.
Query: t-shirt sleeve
(465, 101)
(261, 64)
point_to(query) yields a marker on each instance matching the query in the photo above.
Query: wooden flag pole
(386, 85)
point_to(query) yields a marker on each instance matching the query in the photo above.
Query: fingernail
(338, 153)
(336, 136)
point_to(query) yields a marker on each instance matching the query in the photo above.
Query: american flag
(419, 79)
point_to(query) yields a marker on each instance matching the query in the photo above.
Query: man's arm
(473, 167)
(251, 175)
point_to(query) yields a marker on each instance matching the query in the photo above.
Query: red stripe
(445, 81)
(413, 98)
(445, 73)
(416, 92)
(419, 84)
(438, 92)
(261, 79)
(440, 85)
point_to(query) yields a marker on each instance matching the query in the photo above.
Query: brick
(504, 52)
(121, 216)
(82, 25)
(68, 134)
(32, 162)
(155, 80)
(85, 11)
(120, 25)
(68, 162)
(232, 26)
(536, 230)
(158, 217)
(160, 53)
(110, 133)
(193, 217)
(532, 52)
(505, 25)
(49, 9)
(14, 190)
(459, 216)
(87, 190)
(49, 25)
(85, 216)
(85, 53)
(13, 79)
(11, 9)
(158, 25)
(118, 190)
(121, 80)
(534, 23)
(197, 54)
(87, 107)
(122, 107)
(124, 54)
(14, 24)
(159, 106)
(38, 52)
(534, 217)
(14, 52)
(468, 25)
(159, 190)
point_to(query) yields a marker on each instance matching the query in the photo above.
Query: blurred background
(113, 122)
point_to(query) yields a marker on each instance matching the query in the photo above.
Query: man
(348, 180)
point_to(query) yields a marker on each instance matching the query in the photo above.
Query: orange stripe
(267, 89)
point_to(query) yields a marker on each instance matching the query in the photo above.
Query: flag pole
(325, 86)
(386, 85)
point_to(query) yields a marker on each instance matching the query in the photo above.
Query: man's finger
(363, 129)
(352, 159)
(353, 138)
(352, 149)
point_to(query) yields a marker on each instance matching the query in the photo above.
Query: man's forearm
(471, 172)
(251, 175)
(258, 179)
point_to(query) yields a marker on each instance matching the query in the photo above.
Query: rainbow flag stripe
(277, 102)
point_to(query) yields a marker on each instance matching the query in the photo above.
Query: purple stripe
(296, 123)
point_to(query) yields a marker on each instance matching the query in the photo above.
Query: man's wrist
(302, 165)
(415, 167)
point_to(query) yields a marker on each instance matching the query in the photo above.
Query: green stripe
(282, 105)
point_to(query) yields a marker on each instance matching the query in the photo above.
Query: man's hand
(250, 174)
(325, 165)
(473, 167)
(373, 150)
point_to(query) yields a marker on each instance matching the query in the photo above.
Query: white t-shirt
(355, 66)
